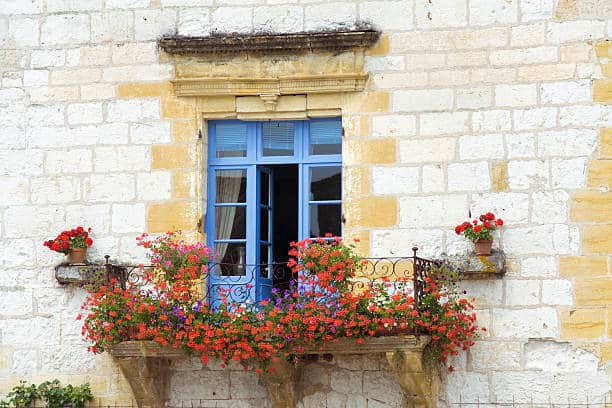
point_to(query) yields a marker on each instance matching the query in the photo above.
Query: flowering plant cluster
(67, 240)
(475, 231)
(328, 300)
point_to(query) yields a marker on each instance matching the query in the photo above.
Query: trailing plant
(67, 240)
(329, 300)
(22, 395)
(475, 231)
(52, 393)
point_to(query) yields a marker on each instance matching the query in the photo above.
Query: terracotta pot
(77, 255)
(483, 247)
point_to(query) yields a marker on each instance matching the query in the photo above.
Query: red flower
(458, 229)
(88, 241)
(490, 216)
(499, 222)
(477, 228)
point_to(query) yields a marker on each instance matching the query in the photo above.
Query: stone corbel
(418, 386)
(270, 101)
(280, 383)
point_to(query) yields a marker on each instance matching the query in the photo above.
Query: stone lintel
(284, 85)
(270, 43)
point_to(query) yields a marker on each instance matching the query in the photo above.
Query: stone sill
(82, 274)
(270, 43)
(472, 266)
(146, 367)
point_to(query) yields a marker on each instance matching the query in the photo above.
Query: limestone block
(583, 115)
(567, 31)
(423, 100)
(35, 77)
(419, 211)
(15, 302)
(485, 12)
(495, 356)
(481, 147)
(485, 292)
(526, 174)
(379, 151)
(245, 384)
(541, 266)
(14, 190)
(65, 29)
(534, 118)
(330, 15)
(371, 211)
(583, 323)
(54, 190)
(583, 266)
(24, 362)
(441, 14)
(429, 241)
(565, 92)
(134, 53)
(126, 4)
(467, 387)
(474, 97)
(521, 56)
(433, 178)
(121, 158)
(278, 18)
(97, 92)
(600, 173)
(68, 161)
(384, 63)
(549, 207)
(150, 133)
(84, 113)
(142, 89)
(66, 359)
(557, 292)
(26, 162)
(521, 386)
(511, 207)
(112, 26)
(596, 292)
(110, 187)
(46, 115)
(17, 253)
(536, 10)
(128, 218)
(591, 206)
(528, 35)
(441, 150)
(395, 180)
(154, 186)
(95, 55)
(491, 121)
(516, 95)
(522, 292)
(150, 72)
(171, 215)
(232, 20)
(382, 386)
(568, 173)
(133, 110)
(420, 41)
(47, 58)
(435, 124)
(393, 15)
(30, 221)
(469, 177)
(30, 332)
(596, 239)
(542, 239)
(575, 142)
(522, 323)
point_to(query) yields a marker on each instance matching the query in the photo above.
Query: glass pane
(326, 137)
(264, 260)
(277, 138)
(231, 186)
(325, 183)
(231, 140)
(325, 218)
(230, 259)
(265, 188)
(230, 222)
(264, 224)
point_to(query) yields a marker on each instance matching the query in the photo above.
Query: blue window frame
(242, 157)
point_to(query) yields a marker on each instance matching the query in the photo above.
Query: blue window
(269, 183)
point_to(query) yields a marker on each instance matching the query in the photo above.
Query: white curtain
(228, 190)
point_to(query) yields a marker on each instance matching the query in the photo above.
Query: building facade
(459, 107)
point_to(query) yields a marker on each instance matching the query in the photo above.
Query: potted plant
(73, 243)
(480, 232)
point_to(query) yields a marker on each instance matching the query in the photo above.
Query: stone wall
(472, 105)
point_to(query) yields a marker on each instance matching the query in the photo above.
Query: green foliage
(52, 393)
(22, 395)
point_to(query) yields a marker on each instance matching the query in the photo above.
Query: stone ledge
(270, 43)
(145, 366)
(472, 266)
(86, 273)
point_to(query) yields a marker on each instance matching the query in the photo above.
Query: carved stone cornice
(270, 43)
(286, 85)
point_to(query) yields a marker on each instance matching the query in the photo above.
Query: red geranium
(475, 231)
(66, 240)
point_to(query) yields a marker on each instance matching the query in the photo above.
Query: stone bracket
(472, 266)
(146, 367)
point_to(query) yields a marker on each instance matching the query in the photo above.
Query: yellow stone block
(357, 102)
(604, 49)
(381, 47)
(183, 184)
(606, 69)
(591, 206)
(593, 292)
(356, 126)
(142, 89)
(324, 101)
(172, 216)
(602, 90)
(606, 352)
(361, 240)
(174, 156)
(597, 238)
(600, 173)
(213, 104)
(356, 181)
(184, 131)
(499, 173)
(566, 9)
(371, 211)
(173, 107)
(379, 151)
(288, 103)
(583, 323)
(583, 266)
(606, 142)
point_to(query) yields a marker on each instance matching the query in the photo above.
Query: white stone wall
(473, 84)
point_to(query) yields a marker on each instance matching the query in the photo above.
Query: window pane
(326, 137)
(325, 183)
(265, 188)
(231, 140)
(231, 186)
(264, 224)
(277, 138)
(264, 260)
(230, 222)
(325, 218)
(230, 259)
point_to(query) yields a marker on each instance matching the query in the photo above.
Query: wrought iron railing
(238, 281)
